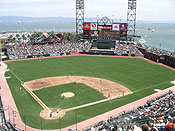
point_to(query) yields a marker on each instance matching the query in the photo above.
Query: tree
(3, 44)
(69, 36)
(23, 37)
(14, 39)
(52, 35)
(10, 38)
(32, 37)
(18, 37)
(79, 36)
(28, 36)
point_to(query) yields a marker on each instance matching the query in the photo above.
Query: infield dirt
(109, 88)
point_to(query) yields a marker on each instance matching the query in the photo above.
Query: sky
(147, 10)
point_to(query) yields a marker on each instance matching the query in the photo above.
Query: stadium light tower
(131, 19)
(79, 16)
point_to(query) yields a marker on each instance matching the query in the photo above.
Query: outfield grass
(135, 74)
(84, 94)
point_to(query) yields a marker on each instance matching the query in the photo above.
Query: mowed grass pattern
(135, 74)
(132, 73)
(84, 94)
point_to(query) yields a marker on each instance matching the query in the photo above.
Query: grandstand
(29, 50)
(25, 50)
(57, 47)
(4, 126)
(157, 113)
(157, 55)
(3, 51)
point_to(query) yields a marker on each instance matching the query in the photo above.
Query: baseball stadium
(102, 81)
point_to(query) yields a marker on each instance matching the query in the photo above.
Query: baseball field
(75, 88)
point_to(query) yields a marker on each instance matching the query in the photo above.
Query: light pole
(160, 46)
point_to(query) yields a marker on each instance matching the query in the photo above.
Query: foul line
(104, 100)
(30, 92)
(15, 75)
(151, 86)
(41, 103)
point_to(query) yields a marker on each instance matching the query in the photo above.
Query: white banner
(93, 26)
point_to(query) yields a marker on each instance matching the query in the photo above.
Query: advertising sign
(86, 34)
(116, 27)
(162, 58)
(54, 54)
(108, 34)
(86, 26)
(93, 26)
(123, 27)
(94, 34)
(104, 27)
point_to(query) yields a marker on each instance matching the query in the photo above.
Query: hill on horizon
(23, 19)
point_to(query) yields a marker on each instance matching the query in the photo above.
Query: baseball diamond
(97, 85)
(110, 89)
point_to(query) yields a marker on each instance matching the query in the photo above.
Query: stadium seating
(158, 113)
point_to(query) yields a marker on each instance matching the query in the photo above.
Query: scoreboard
(113, 31)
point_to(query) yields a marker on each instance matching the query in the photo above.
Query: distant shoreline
(23, 19)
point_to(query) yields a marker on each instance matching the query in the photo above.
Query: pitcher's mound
(68, 94)
(53, 113)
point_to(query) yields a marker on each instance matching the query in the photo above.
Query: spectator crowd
(65, 47)
(127, 49)
(156, 51)
(156, 115)
(4, 126)
(41, 49)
